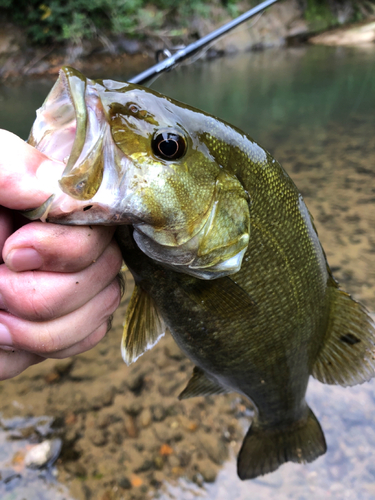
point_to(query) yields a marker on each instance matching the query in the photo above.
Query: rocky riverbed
(122, 428)
(124, 434)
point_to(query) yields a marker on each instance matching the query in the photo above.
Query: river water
(313, 108)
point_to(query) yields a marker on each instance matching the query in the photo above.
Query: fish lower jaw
(90, 216)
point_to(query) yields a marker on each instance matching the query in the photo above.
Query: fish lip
(75, 85)
(97, 216)
(74, 104)
(83, 173)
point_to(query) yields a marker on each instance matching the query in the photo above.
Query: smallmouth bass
(223, 252)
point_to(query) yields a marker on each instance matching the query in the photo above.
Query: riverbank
(281, 25)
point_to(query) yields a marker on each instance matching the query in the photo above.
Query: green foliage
(318, 14)
(76, 20)
(323, 14)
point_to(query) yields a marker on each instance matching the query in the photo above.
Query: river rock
(11, 39)
(215, 448)
(145, 417)
(97, 437)
(124, 482)
(356, 34)
(43, 454)
(75, 468)
(158, 413)
(208, 471)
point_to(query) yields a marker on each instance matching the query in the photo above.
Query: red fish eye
(169, 146)
(133, 108)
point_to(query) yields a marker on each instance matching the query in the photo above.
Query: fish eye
(133, 108)
(168, 145)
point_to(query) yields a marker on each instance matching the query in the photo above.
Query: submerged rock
(43, 454)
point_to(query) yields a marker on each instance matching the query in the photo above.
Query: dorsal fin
(200, 385)
(143, 326)
(348, 354)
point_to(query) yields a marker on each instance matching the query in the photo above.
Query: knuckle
(111, 260)
(29, 298)
(47, 342)
(114, 296)
(93, 339)
(41, 306)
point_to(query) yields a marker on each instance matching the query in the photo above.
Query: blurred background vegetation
(47, 21)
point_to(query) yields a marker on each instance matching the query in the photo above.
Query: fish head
(130, 155)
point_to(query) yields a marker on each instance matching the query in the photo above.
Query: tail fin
(264, 450)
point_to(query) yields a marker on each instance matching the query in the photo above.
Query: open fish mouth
(72, 129)
(127, 155)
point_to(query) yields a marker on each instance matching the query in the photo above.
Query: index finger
(20, 188)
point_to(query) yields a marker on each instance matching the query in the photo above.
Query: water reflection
(314, 109)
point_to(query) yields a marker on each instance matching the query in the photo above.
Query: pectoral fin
(347, 356)
(222, 297)
(143, 326)
(200, 385)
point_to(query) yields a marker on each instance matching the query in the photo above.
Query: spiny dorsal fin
(348, 354)
(143, 326)
(200, 385)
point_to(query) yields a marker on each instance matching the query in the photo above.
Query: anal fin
(143, 326)
(200, 385)
(348, 355)
(264, 450)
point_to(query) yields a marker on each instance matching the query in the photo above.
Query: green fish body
(223, 251)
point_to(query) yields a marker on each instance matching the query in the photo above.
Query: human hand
(58, 285)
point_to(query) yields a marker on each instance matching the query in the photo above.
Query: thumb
(20, 188)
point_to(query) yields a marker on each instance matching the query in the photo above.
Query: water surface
(314, 109)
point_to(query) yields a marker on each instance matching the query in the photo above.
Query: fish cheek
(177, 199)
(227, 232)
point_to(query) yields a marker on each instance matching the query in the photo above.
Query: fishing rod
(184, 53)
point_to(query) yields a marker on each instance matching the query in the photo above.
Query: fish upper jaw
(106, 173)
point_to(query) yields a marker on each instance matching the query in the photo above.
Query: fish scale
(223, 251)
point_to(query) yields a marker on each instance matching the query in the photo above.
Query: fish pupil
(169, 146)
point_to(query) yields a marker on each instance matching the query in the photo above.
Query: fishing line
(184, 53)
(203, 51)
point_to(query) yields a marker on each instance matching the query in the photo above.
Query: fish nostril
(87, 208)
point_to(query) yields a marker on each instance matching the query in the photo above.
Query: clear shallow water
(314, 110)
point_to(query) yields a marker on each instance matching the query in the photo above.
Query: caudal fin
(264, 450)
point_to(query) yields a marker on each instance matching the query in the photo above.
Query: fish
(223, 251)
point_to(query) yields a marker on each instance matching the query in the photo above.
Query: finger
(43, 296)
(20, 189)
(84, 345)
(48, 337)
(14, 362)
(52, 247)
